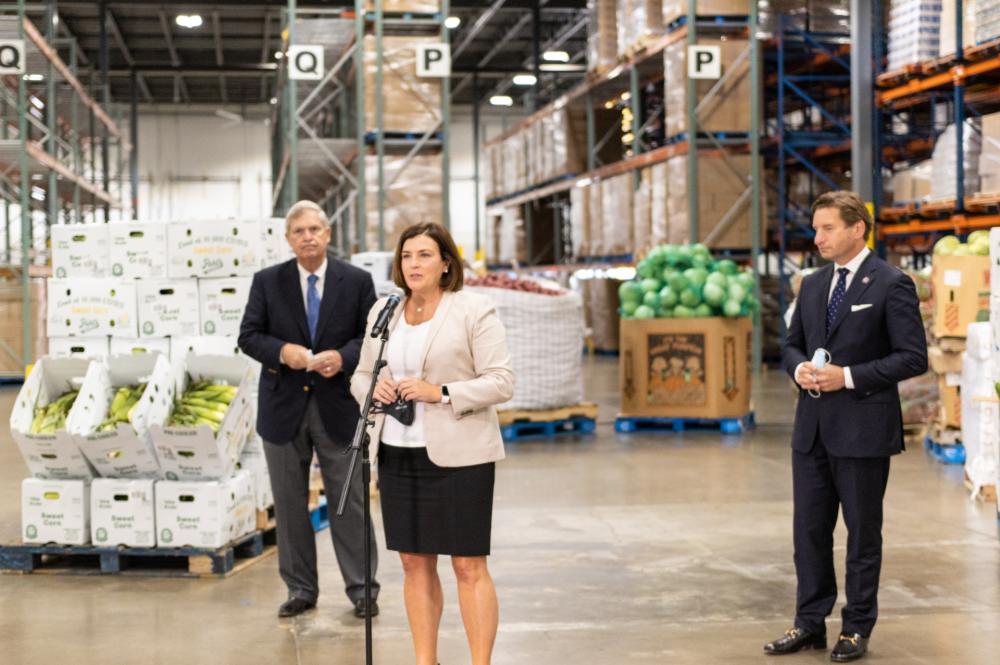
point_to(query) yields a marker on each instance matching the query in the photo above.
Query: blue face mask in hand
(402, 410)
(819, 360)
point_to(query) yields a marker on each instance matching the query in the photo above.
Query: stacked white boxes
(987, 20)
(944, 162)
(914, 32)
(204, 514)
(86, 307)
(55, 511)
(80, 250)
(979, 406)
(221, 303)
(213, 249)
(122, 512)
(138, 250)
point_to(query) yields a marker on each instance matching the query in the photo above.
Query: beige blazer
(466, 349)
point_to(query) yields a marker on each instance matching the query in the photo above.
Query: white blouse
(406, 345)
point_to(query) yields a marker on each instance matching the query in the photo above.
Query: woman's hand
(385, 391)
(419, 391)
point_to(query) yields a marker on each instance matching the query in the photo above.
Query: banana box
(79, 250)
(122, 512)
(213, 249)
(138, 250)
(204, 514)
(124, 347)
(274, 246)
(119, 444)
(222, 303)
(91, 308)
(94, 348)
(168, 307)
(208, 445)
(40, 422)
(55, 511)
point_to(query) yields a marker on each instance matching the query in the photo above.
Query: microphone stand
(360, 445)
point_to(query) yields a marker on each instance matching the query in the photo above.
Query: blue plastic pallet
(372, 137)
(945, 453)
(518, 431)
(631, 424)
(320, 515)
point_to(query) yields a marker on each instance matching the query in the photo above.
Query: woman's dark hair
(451, 280)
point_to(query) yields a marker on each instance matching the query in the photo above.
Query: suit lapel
(819, 306)
(331, 289)
(293, 287)
(859, 285)
(439, 317)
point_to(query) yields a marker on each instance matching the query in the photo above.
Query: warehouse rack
(56, 145)
(966, 84)
(320, 143)
(624, 82)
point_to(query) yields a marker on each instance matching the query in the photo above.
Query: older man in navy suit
(304, 322)
(865, 315)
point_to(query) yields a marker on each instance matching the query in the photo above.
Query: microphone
(385, 315)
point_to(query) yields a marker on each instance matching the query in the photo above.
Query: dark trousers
(822, 483)
(288, 464)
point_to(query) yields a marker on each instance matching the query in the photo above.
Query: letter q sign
(12, 56)
(704, 62)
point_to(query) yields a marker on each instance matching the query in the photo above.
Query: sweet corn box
(55, 454)
(199, 452)
(55, 511)
(204, 514)
(125, 449)
(122, 512)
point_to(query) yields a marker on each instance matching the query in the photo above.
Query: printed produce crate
(50, 451)
(138, 250)
(91, 308)
(122, 512)
(204, 514)
(92, 348)
(209, 447)
(123, 347)
(55, 511)
(168, 307)
(222, 303)
(131, 393)
(79, 250)
(213, 249)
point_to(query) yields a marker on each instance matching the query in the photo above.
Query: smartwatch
(445, 397)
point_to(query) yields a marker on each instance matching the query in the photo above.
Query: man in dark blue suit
(304, 322)
(848, 423)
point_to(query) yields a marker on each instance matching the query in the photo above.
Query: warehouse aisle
(641, 549)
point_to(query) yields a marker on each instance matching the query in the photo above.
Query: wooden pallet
(635, 424)
(987, 493)
(139, 561)
(584, 410)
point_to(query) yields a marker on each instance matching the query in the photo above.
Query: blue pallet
(112, 560)
(608, 353)
(532, 188)
(720, 136)
(372, 137)
(518, 431)
(946, 453)
(704, 21)
(320, 515)
(632, 424)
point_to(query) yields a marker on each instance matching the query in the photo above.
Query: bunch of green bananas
(203, 403)
(52, 417)
(122, 406)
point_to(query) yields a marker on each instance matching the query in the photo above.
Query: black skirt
(429, 509)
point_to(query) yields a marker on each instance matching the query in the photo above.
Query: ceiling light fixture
(502, 100)
(278, 55)
(452, 22)
(525, 79)
(34, 77)
(189, 20)
(555, 56)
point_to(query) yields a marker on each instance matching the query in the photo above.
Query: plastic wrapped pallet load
(602, 34)
(989, 155)
(949, 16)
(944, 164)
(414, 103)
(616, 213)
(641, 211)
(412, 196)
(579, 202)
(914, 32)
(987, 22)
(637, 21)
(675, 9)
(545, 337)
(979, 406)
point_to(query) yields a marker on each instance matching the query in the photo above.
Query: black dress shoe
(795, 639)
(294, 607)
(360, 610)
(849, 647)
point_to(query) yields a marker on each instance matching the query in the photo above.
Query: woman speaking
(438, 437)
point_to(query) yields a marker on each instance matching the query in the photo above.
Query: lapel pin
(864, 280)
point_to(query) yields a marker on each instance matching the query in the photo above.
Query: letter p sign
(704, 62)
(434, 60)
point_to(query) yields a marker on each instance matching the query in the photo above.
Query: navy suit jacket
(882, 344)
(276, 315)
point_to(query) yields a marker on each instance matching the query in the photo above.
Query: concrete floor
(609, 549)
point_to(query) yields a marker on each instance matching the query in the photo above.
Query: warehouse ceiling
(230, 57)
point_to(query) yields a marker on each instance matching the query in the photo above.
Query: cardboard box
(198, 453)
(685, 368)
(91, 308)
(138, 250)
(204, 514)
(379, 264)
(213, 249)
(215, 345)
(950, 394)
(122, 512)
(274, 246)
(942, 361)
(995, 261)
(55, 511)
(127, 451)
(729, 109)
(93, 348)
(12, 316)
(416, 101)
(79, 250)
(53, 456)
(221, 303)
(168, 308)
(124, 347)
(961, 291)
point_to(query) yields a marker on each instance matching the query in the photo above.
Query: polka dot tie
(837, 298)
